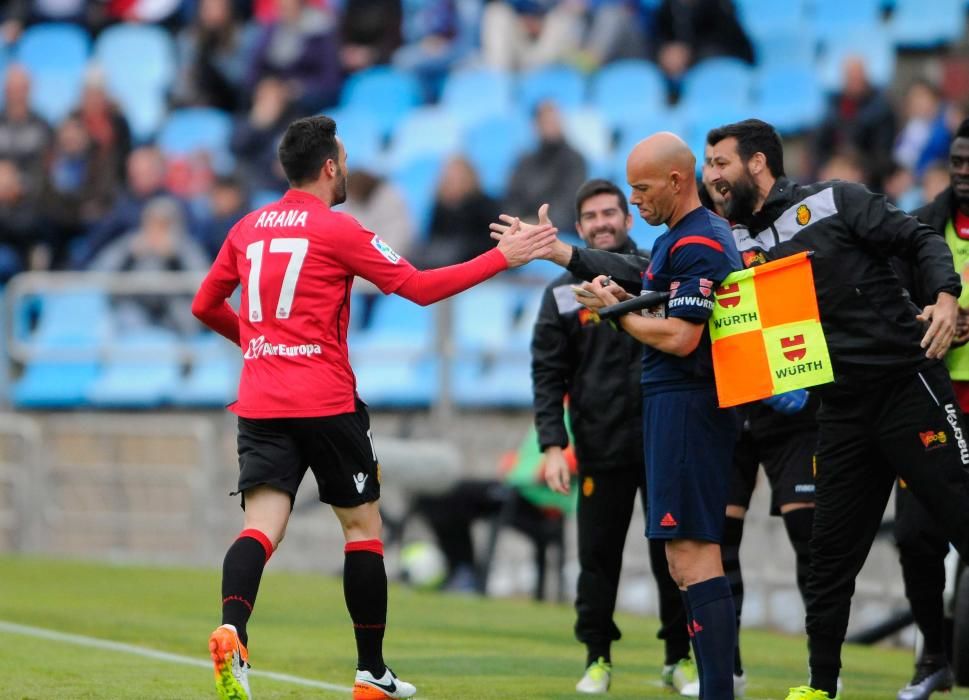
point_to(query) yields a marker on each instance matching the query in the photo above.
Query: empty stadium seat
(54, 384)
(836, 17)
(483, 317)
(142, 370)
(139, 64)
(399, 329)
(424, 132)
(589, 134)
(391, 382)
(360, 133)
(213, 379)
(476, 94)
(717, 81)
(785, 46)
(417, 180)
(789, 97)
(76, 322)
(627, 90)
(385, 92)
(913, 25)
(563, 85)
(195, 129)
(494, 145)
(764, 17)
(477, 383)
(56, 55)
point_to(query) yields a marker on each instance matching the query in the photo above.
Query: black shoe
(929, 678)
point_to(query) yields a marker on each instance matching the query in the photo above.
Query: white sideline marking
(96, 643)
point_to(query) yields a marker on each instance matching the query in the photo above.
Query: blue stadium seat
(789, 97)
(361, 136)
(494, 145)
(476, 94)
(77, 321)
(213, 379)
(195, 129)
(561, 84)
(836, 17)
(627, 90)
(56, 55)
(418, 180)
(874, 45)
(484, 384)
(424, 132)
(700, 121)
(588, 133)
(54, 384)
(762, 17)
(717, 81)
(914, 25)
(643, 233)
(483, 317)
(139, 64)
(385, 92)
(785, 46)
(390, 382)
(399, 329)
(143, 370)
(261, 198)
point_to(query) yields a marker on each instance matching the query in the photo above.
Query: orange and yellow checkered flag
(766, 332)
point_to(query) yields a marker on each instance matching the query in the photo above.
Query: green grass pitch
(453, 648)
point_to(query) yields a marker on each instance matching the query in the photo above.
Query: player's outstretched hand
(556, 470)
(788, 403)
(559, 252)
(942, 318)
(520, 245)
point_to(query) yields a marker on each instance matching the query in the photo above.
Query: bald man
(688, 438)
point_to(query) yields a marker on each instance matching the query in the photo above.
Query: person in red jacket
(298, 407)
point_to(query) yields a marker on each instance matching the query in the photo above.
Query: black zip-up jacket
(936, 214)
(868, 317)
(598, 367)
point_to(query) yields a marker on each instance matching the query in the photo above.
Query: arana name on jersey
(279, 219)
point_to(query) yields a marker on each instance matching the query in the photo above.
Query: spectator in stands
(935, 180)
(18, 13)
(105, 124)
(843, 165)
(924, 137)
(523, 34)
(615, 30)
(160, 243)
(145, 180)
(255, 134)
(860, 118)
(552, 173)
(19, 222)
(379, 206)
(78, 187)
(228, 202)
(437, 35)
(301, 49)
(370, 32)
(24, 136)
(212, 52)
(689, 31)
(900, 187)
(461, 212)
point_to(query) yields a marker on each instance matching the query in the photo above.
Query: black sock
(924, 585)
(733, 532)
(714, 635)
(241, 572)
(799, 524)
(595, 652)
(825, 663)
(365, 592)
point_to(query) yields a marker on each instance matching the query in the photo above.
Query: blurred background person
(105, 124)
(20, 222)
(256, 133)
(24, 136)
(370, 32)
(551, 173)
(226, 204)
(526, 34)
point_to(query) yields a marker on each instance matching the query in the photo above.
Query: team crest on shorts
(803, 215)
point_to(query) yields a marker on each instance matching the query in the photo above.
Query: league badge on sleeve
(385, 250)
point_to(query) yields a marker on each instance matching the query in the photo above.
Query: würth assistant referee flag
(766, 332)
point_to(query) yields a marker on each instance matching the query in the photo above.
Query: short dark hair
(591, 188)
(963, 131)
(753, 136)
(307, 144)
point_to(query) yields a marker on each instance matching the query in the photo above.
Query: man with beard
(688, 439)
(922, 541)
(890, 384)
(574, 356)
(298, 407)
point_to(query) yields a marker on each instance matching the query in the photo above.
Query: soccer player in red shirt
(298, 407)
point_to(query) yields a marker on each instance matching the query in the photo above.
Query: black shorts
(277, 452)
(788, 462)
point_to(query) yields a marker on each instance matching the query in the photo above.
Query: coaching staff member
(298, 408)
(890, 385)
(575, 356)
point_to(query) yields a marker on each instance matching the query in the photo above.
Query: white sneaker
(231, 662)
(739, 685)
(682, 677)
(597, 677)
(366, 687)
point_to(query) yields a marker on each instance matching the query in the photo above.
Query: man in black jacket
(576, 357)
(922, 541)
(890, 386)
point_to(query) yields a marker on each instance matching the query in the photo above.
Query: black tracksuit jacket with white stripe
(868, 318)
